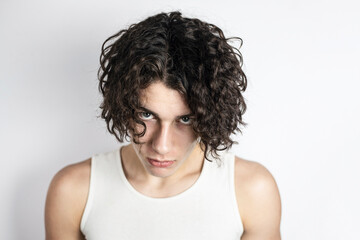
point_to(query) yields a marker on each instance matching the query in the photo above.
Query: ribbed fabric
(115, 210)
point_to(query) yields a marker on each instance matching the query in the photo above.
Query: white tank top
(116, 210)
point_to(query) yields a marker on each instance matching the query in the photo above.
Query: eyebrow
(156, 115)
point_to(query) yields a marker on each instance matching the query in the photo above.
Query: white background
(302, 61)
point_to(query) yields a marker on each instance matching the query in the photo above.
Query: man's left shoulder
(257, 196)
(252, 176)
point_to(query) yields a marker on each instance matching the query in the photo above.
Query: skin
(169, 136)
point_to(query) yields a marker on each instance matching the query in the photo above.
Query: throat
(154, 186)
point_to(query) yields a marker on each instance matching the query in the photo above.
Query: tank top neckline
(187, 191)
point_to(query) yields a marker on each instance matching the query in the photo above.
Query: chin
(162, 175)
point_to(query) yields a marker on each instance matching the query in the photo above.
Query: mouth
(160, 164)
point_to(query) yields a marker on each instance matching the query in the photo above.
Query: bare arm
(66, 201)
(258, 200)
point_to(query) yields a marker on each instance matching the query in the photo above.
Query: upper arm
(66, 201)
(258, 201)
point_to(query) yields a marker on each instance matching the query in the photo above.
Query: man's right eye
(145, 115)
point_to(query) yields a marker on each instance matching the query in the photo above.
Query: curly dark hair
(186, 54)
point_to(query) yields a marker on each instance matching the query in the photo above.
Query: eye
(185, 120)
(146, 115)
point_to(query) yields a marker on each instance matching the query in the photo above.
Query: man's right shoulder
(74, 178)
(66, 199)
(77, 173)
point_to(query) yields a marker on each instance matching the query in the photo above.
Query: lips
(160, 164)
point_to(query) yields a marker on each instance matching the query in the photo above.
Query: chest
(187, 218)
(205, 208)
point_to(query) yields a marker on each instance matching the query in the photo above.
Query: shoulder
(252, 176)
(72, 177)
(257, 197)
(66, 199)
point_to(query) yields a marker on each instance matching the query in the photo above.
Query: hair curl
(187, 55)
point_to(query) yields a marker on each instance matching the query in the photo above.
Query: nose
(161, 141)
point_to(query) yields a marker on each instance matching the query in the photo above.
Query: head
(191, 65)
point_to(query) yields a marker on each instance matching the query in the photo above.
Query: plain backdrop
(302, 62)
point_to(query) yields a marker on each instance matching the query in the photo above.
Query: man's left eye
(185, 120)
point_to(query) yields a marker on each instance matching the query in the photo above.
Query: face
(169, 137)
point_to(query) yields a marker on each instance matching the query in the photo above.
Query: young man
(173, 87)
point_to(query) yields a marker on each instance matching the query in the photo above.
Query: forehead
(163, 100)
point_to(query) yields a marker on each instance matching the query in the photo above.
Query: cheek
(138, 128)
(150, 126)
(186, 135)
